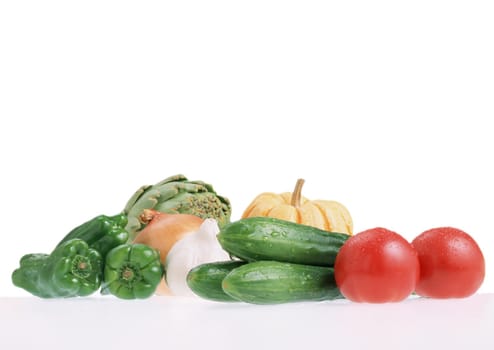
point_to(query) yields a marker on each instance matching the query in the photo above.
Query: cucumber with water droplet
(205, 280)
(265, 238)
(274, 282)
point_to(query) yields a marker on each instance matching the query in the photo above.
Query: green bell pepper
(102, 233)
(27, 275)
(132, 271)
(72, 269)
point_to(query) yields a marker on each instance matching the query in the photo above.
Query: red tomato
(451, 263)
(376, 266)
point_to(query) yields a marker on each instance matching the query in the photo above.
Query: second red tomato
(451, 263)
(377, 266)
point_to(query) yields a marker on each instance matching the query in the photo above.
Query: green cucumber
(265, 238)
(205, 279)
(274, 282)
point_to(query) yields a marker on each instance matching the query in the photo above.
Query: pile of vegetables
(176, 238)
(127, 254)
(280, 261)
(379, 265)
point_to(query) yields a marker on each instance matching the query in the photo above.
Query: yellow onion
(162, 231)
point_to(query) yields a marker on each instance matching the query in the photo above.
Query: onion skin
(163, 231)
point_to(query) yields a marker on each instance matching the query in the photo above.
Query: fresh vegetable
(324, 214)
(274, 282)
(451, 263)
(102, 233)
(72, 269)
(205, 280)
(132, 271)
(177, 195)
(377, 266)
(265, 238)
(27, 276)
(192, 250)
(162, 231)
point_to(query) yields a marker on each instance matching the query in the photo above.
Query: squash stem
(297, 193)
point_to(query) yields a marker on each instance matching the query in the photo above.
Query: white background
(385, 106)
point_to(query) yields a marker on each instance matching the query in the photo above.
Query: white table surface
(169, 323)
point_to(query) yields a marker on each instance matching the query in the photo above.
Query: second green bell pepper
(132, 271)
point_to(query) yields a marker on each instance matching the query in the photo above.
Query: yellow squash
(324, 214)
